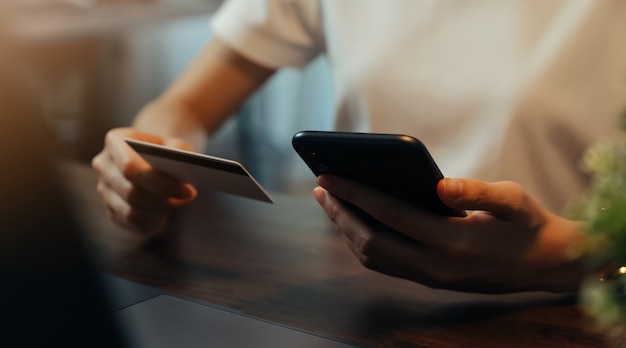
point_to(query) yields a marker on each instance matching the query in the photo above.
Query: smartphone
(396, 164)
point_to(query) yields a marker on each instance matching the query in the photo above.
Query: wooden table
(285, 263)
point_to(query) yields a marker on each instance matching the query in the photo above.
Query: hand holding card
(206, 173)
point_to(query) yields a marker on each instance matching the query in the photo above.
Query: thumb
(504, 199)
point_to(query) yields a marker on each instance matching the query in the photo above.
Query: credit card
(206, 173)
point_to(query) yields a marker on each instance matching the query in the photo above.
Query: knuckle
(367, 243)
(519, 198)
(109, 138)
(118, 216)
(515, 188)
(482, 195)
(126, 164)
(126, 214)
(111, 135)
(122, 188)
(368, 262)
(96, 162)
(101, 188)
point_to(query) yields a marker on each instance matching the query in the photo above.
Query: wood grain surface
(285, 263)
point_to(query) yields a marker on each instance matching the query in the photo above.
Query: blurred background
(97, 62)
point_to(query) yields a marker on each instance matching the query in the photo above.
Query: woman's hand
(509, 242)
(138, 197)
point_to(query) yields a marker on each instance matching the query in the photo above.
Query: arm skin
(509, 243)
(212, 88)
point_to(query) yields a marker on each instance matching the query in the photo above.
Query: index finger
(120, 152)
(139, 172)
(424, 227)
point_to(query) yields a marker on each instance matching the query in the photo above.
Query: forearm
(211, 89)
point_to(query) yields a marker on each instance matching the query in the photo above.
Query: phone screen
(398, 165)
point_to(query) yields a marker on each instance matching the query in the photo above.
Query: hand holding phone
(396, 164)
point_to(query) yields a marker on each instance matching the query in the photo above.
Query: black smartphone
(399, 165)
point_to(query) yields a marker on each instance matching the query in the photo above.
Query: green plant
(603, 211)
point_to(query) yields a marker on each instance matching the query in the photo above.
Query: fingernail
(320, 195)
(453, 188)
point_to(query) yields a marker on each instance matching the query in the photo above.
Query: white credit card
(202, 171)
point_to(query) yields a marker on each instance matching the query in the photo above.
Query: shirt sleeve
(272, 33)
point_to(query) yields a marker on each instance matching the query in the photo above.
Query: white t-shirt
(497, 90)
